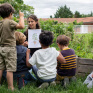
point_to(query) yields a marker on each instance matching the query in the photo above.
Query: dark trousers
(22, 78)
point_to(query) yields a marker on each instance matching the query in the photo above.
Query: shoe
(43, 85)
(73, 79)
(53, 83)
(20, 82)
(65, 82)
(58, 82)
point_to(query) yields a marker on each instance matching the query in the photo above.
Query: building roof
(70, 20)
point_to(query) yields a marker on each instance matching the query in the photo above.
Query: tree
(77, 14)
(63, 12)
(19, 5)
(91, 13)
(51, 16)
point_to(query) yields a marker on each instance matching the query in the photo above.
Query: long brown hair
(34, 17)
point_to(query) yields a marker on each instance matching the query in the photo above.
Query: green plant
(81, 43)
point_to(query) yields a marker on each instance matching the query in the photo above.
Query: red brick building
(86, 20)
(85, 28)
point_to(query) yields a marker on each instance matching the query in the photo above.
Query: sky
(45, 8)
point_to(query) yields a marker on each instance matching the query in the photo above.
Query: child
(89, 80)
(66, 71)
(8, 42)
(45, 60)
(22, 72)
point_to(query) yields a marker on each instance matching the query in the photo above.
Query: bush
(81, 43)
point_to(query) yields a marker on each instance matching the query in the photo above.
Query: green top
(7, 29)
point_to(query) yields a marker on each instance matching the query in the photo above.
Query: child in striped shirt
(66, 71)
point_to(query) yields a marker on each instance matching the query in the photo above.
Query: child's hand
(92, 75)
(21, 14)
(25, 43)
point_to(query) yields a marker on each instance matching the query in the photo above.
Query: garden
(81, 43)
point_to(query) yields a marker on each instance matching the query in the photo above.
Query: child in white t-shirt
(45, 60)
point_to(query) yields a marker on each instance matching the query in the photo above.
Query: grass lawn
(83, 49)
(74, 87)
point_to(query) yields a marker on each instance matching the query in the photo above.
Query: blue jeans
(35, 69)
(26, 75)
(23, 77)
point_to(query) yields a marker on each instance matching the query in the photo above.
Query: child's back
(66, 71)
(7, 28)
(21, 58)
(8, 42)
(69, 68)
(45, 60)
(22, 72)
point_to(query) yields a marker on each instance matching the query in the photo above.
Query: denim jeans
(35, 69)
(27, 76)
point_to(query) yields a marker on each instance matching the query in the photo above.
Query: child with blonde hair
(22, 74)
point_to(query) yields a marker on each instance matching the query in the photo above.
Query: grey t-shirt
(7, 29)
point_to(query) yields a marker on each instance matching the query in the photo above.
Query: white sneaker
(73, 79)
(53, 83)
(66, 82)
(58, 82)
(43, 85)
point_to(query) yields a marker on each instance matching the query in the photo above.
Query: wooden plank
(77, 63)
(85, 61)
(82, 74)
(85, 68)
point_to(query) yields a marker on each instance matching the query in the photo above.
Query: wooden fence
(84, 66)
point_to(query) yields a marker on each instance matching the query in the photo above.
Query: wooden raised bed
(84, 66)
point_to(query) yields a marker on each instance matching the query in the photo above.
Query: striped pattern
(70, 62)
(68, 68)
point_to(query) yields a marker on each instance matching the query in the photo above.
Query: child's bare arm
(61, 59)
(92, 75)
(27, 58)
(21, 21)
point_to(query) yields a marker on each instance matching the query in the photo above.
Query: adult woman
(32, 24)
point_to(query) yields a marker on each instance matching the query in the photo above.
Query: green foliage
(19, 5)
(91, 40)
(15, 19)
(63, 12)
(0, 18)
(50, 16)
(75, 23)
(57, 28)
(88, 15)
(81, 43)
(77, 14)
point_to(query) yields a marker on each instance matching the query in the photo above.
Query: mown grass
(74, 87)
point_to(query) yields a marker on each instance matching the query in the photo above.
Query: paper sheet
(33, 38)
